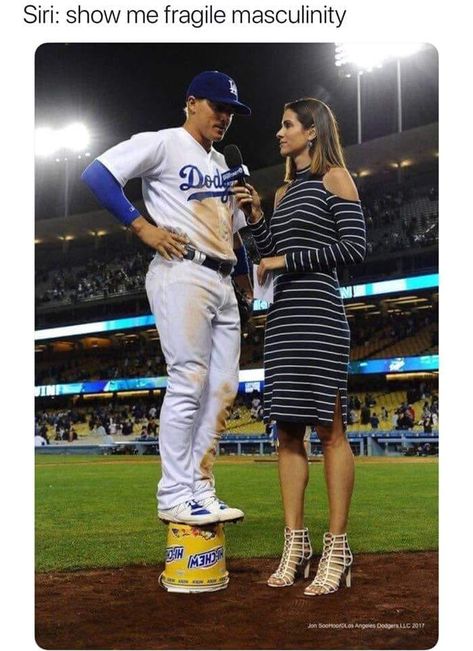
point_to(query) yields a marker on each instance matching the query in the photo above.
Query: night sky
(121, 89)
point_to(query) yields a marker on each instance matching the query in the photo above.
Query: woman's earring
(310, 144)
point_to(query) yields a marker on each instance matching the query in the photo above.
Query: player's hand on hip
(269, 264)
(169, 245)
(249, 201)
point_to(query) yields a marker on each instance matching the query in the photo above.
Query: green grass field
(96, 512)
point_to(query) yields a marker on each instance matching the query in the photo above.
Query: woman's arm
(248, 200)
(344, 204)
(263, 238)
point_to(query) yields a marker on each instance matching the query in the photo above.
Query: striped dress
(307, 338)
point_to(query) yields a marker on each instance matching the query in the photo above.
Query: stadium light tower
(63, 144)
(365, 57)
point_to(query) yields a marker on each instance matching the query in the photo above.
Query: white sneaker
(190, 512)
(224, 512)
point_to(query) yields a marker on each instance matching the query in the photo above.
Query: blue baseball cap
(218, 87)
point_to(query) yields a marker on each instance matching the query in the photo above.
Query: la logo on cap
(233, 88)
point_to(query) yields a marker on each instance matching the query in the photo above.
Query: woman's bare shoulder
(338, 181)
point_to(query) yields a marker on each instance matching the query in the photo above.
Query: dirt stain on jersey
(215, 227)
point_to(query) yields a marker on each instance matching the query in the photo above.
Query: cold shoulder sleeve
(350, 247)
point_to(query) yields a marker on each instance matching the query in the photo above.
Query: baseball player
(188, 284)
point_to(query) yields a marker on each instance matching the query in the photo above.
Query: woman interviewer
(317, 225)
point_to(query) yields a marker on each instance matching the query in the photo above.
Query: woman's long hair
(326, 151)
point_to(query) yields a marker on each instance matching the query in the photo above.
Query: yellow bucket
(195, 559)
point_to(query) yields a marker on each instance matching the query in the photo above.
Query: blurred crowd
(391, 226)
(369, 411)
(400, 220)
(139, 419)
(97, 279)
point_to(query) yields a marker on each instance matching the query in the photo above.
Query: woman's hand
(249, 201)
(269, 264)
(169, 245)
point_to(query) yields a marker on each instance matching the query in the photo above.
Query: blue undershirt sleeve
(241, 267)
(109, 192)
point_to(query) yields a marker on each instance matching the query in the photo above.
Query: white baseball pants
(197, 318)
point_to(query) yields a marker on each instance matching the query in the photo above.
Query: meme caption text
(167, 14)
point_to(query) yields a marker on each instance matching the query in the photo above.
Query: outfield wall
(393, 443)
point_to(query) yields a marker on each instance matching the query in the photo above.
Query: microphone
(237, 171)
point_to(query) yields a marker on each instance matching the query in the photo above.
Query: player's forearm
(109, 192)
(139, 226)
(169, 245)
(145, 231)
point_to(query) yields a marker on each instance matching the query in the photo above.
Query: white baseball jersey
(183, 188)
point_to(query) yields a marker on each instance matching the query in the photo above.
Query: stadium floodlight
(368, 56)
(46, 141)
(72, 138)
(59, 144)
(75, 137)
(365, 57)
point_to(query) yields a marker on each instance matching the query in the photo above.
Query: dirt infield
(392, 604)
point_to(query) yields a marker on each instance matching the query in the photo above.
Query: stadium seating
(395, 222)
(245, 425)
(418, 344)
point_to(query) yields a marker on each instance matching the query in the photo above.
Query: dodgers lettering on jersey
(196, 179)
(205, 559)
(184, 187)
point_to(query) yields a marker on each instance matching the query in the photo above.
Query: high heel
(335, 562)
(295, 558)
(348, 577)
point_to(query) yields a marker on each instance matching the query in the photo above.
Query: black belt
(223, 267)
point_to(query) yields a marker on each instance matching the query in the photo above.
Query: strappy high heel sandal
(295, 558)
(335, 563)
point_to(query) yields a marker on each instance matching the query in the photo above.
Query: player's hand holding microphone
(249, 201)
(246, 196)
(169, 245)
